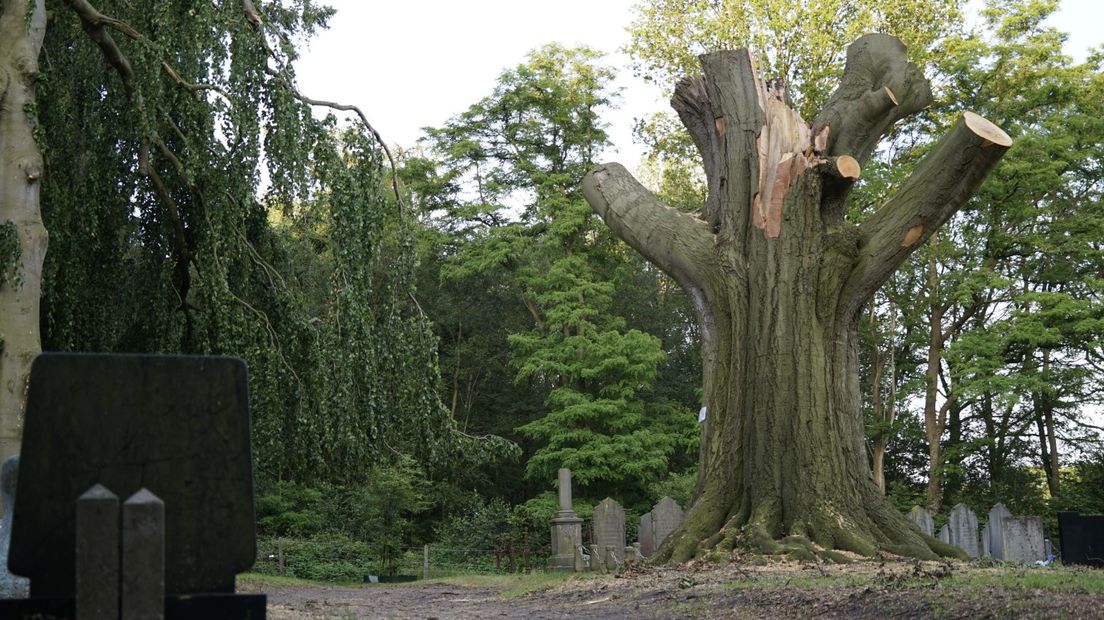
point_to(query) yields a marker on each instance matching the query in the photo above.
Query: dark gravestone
(1082, 538)
(176, 425)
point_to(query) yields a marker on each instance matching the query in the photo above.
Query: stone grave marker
(923, 520)
(964, 530)
(997, 515)
(666, 516)
(176, 425)
(945, 534)
(97, 553)
(647, 539)
(567, 529)
(11, 586)
(1082, 538)
(985, 553)
(609, 528)
(1022, 539)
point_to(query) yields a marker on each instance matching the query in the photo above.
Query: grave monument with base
(567, 529)
(177, 427)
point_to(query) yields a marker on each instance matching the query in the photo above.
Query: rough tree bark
(779, 278)
(22, 26)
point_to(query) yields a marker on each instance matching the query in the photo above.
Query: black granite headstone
(176, 425)
(1082, 538)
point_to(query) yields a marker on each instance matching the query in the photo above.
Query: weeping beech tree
(779, 278)
(22, 235)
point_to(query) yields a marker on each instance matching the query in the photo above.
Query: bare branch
(194, 88)
(941, 183)
(256, 21)
(372, 130)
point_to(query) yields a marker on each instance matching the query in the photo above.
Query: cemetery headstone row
(1004, 537)
(609, 549)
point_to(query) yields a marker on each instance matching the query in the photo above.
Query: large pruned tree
(779, 279)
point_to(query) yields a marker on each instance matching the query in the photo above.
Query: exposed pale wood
(987, 131)
(784, 138)
(846, 167)
(912, 236)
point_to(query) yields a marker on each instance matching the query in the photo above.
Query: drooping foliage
(196, 205)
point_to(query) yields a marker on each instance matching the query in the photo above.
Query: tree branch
(676, 242)
(372, 130)
(691, 102)
(95, 24)
(737, 104)
(941, 183)
(879, 87)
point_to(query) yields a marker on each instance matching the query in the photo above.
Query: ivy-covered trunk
(779, 278)
(22, 235)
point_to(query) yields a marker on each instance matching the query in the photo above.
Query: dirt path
(900, 590)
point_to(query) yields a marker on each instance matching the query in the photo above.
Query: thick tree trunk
(22, 26)
(779, 278)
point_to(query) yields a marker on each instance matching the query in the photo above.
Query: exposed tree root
(822, 535)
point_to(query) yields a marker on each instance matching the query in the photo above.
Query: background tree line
(423, 361)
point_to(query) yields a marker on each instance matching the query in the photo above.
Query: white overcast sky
(416, 63)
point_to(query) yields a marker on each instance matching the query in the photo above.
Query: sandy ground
(777, 592)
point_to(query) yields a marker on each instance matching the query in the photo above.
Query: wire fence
(432, 561)
(346, 563)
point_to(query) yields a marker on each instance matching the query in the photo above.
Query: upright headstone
(1048, 549)
(1022, 539)
(666, 516)
(964, 530)
(1082, 538)
(177, 425)
(98, 554)
(143, 557)
(609, 527)
(11, 586)
(567, 529)
(596, 563)
(985, 552)
(923, 520)
(997, 515)
(647, 537)
(945, 534)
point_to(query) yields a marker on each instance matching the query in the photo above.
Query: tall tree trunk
(779, 279)
(933, 424)
(885, 408)
(22, 27)
(1044, 416)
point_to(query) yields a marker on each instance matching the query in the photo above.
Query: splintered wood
(782, 147)
(786, 148)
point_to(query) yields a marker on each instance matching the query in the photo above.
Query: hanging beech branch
(257, 23)
(96, 24)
